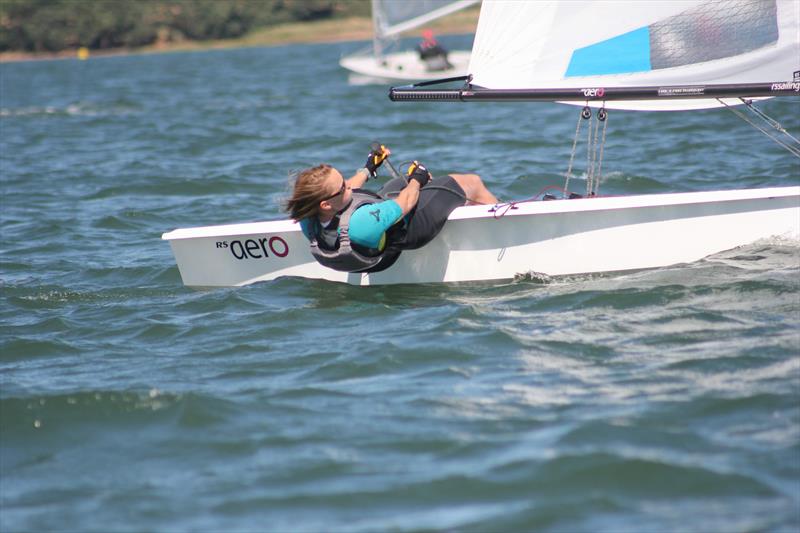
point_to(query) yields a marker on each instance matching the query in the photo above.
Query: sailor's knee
(471, 177)
(467, 180)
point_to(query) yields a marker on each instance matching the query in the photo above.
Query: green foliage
(53, 25)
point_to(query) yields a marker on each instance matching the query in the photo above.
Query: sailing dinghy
(648, 56)
(383, 60)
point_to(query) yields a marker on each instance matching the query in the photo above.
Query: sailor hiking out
(351, 229)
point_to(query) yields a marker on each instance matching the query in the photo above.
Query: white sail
(393, 17)
(617, 43)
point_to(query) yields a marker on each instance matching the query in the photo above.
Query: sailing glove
(375, 158)
(418, 172)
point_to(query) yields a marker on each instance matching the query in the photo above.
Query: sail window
(715, 29)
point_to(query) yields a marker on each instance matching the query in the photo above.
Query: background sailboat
(385, 60)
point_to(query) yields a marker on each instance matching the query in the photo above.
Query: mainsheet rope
(591, 140)
(574, 146)
(595, 149)
(595, 145)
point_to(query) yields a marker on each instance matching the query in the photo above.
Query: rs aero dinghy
(649, 56)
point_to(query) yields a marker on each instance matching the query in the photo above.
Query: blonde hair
(308, 192)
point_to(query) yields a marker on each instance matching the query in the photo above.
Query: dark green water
(647, 401)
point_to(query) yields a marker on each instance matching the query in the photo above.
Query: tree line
(55, 25)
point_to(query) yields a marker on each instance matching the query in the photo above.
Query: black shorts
(436, 201)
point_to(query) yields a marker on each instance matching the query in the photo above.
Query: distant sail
(393, 17)
(617, 43)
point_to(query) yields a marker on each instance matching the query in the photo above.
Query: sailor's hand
(418, 172)
(376, 157)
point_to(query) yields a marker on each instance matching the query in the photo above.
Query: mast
(377, 23)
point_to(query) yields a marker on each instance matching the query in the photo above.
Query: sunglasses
(337, 193)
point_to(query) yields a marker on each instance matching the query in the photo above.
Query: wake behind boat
(658, 55)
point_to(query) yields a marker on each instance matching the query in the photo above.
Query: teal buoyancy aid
(349, 256)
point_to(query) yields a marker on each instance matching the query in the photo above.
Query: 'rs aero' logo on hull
(261, 248)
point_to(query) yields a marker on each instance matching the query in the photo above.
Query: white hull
(402, 66)
(548, 237)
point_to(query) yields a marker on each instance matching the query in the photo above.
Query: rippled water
(657, 400)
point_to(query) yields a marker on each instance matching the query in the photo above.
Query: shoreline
(316, 32)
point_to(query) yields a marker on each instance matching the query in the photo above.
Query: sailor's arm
(357, 180)
(408, 197)
(418, 176)
(375, 158)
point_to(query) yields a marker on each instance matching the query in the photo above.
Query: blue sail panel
(629, 52)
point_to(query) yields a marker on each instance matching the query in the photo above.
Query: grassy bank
(332, 30)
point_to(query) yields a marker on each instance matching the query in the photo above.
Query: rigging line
(595, 181)
(589, 144)
(572, 155)
(793, 150)
(602, 147)
(500, 210)
(769, 120)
